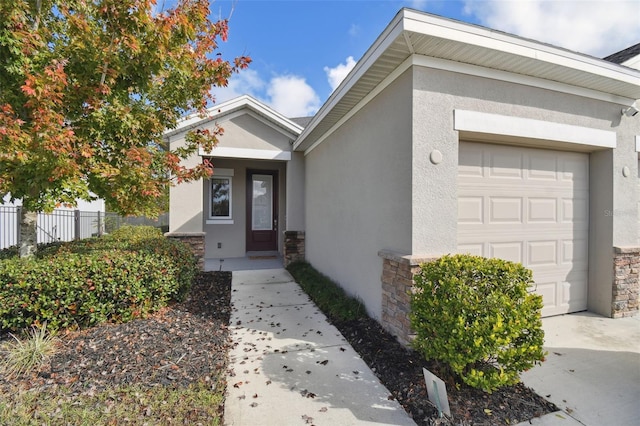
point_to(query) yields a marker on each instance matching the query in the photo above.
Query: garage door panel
(471, 163)
(540, 253)
(542, 210)
(573, 294)
(506, 164)
(548, 291)
(470, 210)
(508, 250)
(505, 209)
(542, 166)
(575, 210)
(575, 170)
(472, 249)
(537, 215)
(574, 250)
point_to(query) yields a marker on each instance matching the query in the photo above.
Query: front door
(262, 210)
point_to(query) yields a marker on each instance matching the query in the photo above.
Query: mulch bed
(177, 346)
(400, 371)
(189, 341)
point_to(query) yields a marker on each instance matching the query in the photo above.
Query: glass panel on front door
(262, 206)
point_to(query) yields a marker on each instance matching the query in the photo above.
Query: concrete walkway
(289, 366)
(592, 371)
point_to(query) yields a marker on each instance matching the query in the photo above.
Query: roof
(624, 55)
(217, 112)
(302, 121)
(454, 45)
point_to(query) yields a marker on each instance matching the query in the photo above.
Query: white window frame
(221, 220)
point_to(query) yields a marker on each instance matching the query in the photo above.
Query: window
(220, 196)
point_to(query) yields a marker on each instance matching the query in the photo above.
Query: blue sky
(301, 49)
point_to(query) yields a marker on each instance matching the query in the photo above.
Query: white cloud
(354, 30)
(292, 96)
(418, 4)
(246, 82)
(595, 27)
(337, 74)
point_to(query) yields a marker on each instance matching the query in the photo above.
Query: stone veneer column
(293, 247)
(195, 240)
(626, 282)
(397, 284)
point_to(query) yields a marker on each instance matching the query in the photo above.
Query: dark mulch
(189, 341)
(400, 371)
(177, 346)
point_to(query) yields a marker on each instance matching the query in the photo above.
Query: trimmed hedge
(478, 316)
(119, 277)
(329, 296)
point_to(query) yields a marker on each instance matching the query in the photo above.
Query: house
(446, 137)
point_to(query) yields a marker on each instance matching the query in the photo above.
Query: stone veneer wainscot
(293, 247)
(195, 240)
(397, 285)
(626, 282)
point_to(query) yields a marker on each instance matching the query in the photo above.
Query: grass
(200, 403)
(329, 296)
(22, 356)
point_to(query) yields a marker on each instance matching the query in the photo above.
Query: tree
(87, 89)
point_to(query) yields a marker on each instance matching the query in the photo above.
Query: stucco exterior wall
(358, 194)
(600, 231)
(626, 195)
(295, 185)
(233, 236)
(247, 131)
(613, 198)
(185, 211)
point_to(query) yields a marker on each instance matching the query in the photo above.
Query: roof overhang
(224, 109)
(445, 41)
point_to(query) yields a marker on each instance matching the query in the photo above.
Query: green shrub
(118, 277)
(477, 316)
(327, 295)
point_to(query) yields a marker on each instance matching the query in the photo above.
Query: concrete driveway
(592, 371)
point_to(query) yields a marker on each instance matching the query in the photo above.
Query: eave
(417, 34)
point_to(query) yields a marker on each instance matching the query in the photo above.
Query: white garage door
(529, 206)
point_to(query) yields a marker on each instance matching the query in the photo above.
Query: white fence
(67, 225)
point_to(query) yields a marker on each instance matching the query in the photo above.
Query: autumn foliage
(87, 89)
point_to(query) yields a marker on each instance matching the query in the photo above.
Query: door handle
(275, 224)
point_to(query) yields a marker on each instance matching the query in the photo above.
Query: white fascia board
(483, 37)
(244, 101)
(503, 125)
(393, 30)
(246, 153)
(638, 143)
(478, 71)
